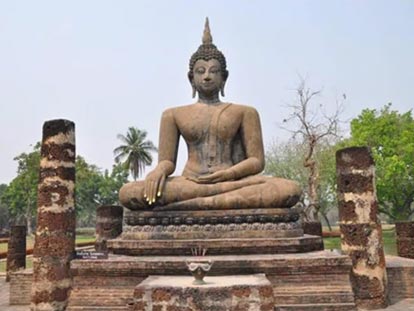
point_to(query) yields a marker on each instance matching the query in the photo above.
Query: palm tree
(135, 152)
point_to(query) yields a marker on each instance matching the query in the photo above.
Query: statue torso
(211, 132)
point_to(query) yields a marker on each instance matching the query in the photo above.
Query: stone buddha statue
(225, 151)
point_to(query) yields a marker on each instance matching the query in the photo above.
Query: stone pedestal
(361, 233)
(16, 250)
(108, 224)
(55, 233)
(235, 231)
(220, 293)
(405, 238)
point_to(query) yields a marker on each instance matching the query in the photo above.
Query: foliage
(18, 200)
(21, 194)
(4, 211)
(94, 188)
(391, 138)
(135, 153)
(285, 160)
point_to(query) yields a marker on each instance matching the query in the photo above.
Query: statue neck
(211, 99)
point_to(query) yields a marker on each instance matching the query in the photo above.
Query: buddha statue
(225, 151)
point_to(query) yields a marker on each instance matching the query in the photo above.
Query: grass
(30, 241)
(388, 235)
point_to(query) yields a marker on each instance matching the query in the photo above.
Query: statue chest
(208, 125)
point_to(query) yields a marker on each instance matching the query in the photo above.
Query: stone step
(100, 297)
(95, 308)
(317, 307)
(313, 294)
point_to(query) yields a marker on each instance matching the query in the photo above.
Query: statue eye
(200, 70)
(214, 70)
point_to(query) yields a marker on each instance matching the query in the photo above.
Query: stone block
(220, 293)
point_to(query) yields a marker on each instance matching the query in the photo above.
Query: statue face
(207, 77)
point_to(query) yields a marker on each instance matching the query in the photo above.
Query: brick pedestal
(55, 233)
(312, 228)
(360, 227)
(221, 293)
(16, 250)
(108, 224)
(405, 238)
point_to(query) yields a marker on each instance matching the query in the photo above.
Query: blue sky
(108, 65)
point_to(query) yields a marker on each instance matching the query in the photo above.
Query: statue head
(208, 51)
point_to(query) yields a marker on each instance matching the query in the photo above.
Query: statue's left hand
(219, 176)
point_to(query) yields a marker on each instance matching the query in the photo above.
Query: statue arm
(251, 133)
(167, 157)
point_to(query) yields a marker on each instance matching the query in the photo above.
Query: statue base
(236, 231)
(306, 243)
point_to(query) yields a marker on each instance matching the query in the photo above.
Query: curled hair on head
(207, 51)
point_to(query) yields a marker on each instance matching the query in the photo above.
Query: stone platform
(308, 281)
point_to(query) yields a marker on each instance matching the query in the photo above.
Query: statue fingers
(161, 185)
(150, 191)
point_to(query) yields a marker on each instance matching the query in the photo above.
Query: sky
(109, 65)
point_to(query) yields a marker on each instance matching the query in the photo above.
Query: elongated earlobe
(222, 90)
(194, 90)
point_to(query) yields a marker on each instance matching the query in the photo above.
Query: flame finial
(207, 38)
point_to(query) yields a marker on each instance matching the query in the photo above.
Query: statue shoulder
(246, 110)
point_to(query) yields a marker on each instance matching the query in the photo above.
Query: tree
(4, 211)
(285, 160)
(135, 152)
(390, 135)
(94, 188)
(108, 192)
(314, 128)
(88, 179)
(21, 194)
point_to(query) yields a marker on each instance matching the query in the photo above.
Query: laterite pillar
(360, 227)
(55, 234)
(16, 250)
(108, 224)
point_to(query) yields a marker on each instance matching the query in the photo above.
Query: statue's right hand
(154, 185)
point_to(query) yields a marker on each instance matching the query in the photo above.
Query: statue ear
(190, 78)
(222, 89)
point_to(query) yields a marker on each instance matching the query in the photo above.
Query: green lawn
(388, 235)
(30, 241)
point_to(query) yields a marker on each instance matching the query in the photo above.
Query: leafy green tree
(21, 194)
(4, 211)
(135, 153)
(88, 179)
(390, 135)
(94, 188)
(110, 184)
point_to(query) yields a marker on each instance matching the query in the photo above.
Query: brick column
(405, 238)
(108, 224)
(55, 233)
(361, 234)
(16, 250)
